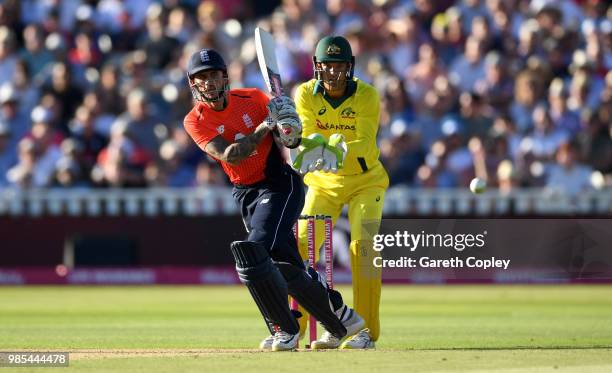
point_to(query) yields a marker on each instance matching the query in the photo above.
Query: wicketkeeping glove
(309, 156)
(334, 153)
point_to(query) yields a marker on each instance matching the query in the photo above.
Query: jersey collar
(351, 87)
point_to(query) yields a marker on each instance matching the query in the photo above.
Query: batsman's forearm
(245, 146)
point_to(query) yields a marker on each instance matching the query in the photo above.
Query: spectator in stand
(68, 95)
(7, 155)
(605, 28)
(208, 174)
(421, 76)
(447, 31)
(561, 116)
(212, 35)
(568, 175)
(25, 173)
(481, 30)
(497, 86)
(160, 48)
(395, 104)
(504, 127)
(545, 139)
(27, 92)
(69, 170)
(402, 153)
(16, 119)
(180, 26)
(471, 9)
(528, 41)
(526, 98)
(587, 88)
(404, 37)
(434, 173)
(459, 160)
(594, 142)
(103, 120)
(475, 115)
(8, 57)
(90, 140)
(108, 93)
(140, 123)
(171, 170)
(506, 177)
(47, 143)
(35, 54)
(85, 53)
(468, 68)
(122, 163)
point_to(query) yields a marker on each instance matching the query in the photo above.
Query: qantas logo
(328, 126)
(221, 129)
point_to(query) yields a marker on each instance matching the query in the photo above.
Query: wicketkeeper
(342, 113)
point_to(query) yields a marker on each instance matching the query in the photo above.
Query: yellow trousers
(364, 194)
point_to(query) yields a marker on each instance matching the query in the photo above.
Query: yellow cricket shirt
(356, 116)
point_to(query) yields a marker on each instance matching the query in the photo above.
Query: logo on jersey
(221, 129)
(348, 113)
(323, 110)
(328, 126)
(204, 56)
(248, 122)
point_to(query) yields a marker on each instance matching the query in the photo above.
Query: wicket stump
(329, 258)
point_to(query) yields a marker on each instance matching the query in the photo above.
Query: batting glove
(288, 123)
(281, 106)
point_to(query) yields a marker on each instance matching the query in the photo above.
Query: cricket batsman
(345, 112)
(236, 126)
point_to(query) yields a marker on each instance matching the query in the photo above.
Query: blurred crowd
(518, 92)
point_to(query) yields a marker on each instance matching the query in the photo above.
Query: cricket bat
(266, 55)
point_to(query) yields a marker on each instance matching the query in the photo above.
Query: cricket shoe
(360, 341)
(351, 321)
(266, 344)
(284, 341)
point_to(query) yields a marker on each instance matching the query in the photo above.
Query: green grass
(424, 328)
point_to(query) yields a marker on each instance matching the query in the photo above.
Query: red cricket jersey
(245, 110)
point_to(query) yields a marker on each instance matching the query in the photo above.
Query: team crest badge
(204, 55)
(348, 113)
(248, 122)
(221, 129)
(333, 49)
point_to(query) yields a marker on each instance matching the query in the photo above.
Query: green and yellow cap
(333, 49)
